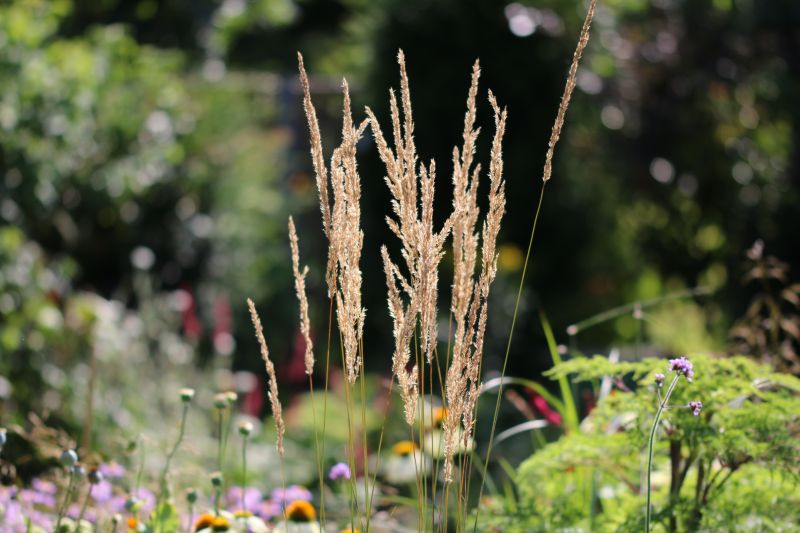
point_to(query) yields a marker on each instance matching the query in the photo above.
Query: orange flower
(203, 521)
(301, 511)
(132, 522)
(439, 415)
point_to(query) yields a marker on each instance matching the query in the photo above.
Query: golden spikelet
(469, 304)
(300, 289)
(422, 248)
(275, 403)
(555, 133)
(342, 223)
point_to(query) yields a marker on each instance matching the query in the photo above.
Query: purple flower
(290, 494)
(252, 498)
(45, 487)
(695, 406)
(683, 366)
(660, 379)
(269, 509)
(112, 470)
(339, 471)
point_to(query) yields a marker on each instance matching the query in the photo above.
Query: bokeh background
(151, 152)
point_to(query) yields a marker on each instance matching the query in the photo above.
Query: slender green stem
(651, 445)
(244, 471)
(84, 506)
(508, 346)
(64, 503)
(163, 489)
(220, 437)
(191, 517)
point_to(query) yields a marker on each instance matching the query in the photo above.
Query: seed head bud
(69, 458)
(187, 395)
(245, 428)
(95, 476)
(221, 400)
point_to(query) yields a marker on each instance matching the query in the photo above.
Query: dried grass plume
(272, 393)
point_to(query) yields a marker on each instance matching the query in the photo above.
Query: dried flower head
(569, 87)
(274, 400)
(300, 289)
(470, 295)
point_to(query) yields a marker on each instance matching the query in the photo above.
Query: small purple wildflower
(683, 366)
(112, 470)
(696, 406)
(339, 471)
(660, 379)
(290, 494)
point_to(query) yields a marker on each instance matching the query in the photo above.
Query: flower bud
(191, 496)
(78, 471)
(132, 505)
(95, 476)
(187, 395)
(231, 397)
(216, 479)
(69, 458)
(3, 437)
(660, 379)
(221, 400)
(245, 429)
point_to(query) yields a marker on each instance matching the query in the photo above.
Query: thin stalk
(65, 502)
(367, 509)
(220, 437)
(320, 473)
(244, 471)
(171, 454)
(651, 446)
(84, 506)
(325, 403)
(508, 345)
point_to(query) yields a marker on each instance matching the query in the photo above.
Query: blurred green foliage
(746, 433)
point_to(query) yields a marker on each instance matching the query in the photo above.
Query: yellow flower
(404, 448)
(301, 511)
(220, 523)
(348, 530)
(242, 514)
(439, 415)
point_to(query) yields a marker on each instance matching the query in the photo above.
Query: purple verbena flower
(290, 494)
(683, 366)
(339, 471)
(659, 379)
(696, 406)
